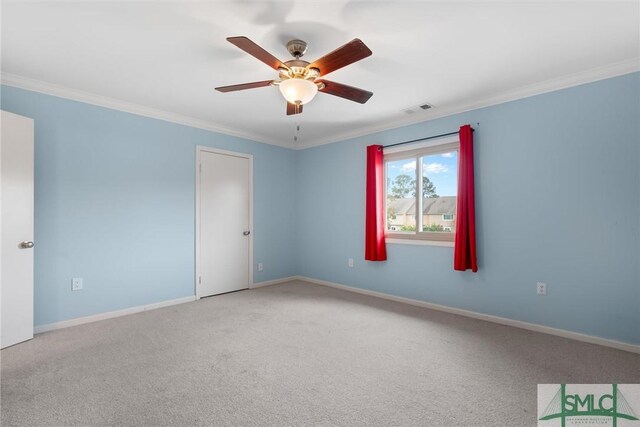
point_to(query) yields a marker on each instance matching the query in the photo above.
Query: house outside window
(421, 189)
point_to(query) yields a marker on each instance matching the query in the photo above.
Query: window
(421, 189)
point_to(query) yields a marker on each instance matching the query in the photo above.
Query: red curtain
(464, 251)
(374, 246)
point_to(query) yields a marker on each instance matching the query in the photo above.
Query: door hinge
(200, 167)
(199, 280)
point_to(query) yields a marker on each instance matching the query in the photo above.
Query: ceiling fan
(298, 79)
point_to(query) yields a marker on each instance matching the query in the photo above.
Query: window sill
(418, 242)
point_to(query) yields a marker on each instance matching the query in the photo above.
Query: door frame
(199, 150)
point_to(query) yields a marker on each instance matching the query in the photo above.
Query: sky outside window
(441, 169)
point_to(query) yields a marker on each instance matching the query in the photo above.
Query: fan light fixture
(298, 91)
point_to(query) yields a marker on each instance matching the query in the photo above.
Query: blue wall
(557, 190)
(114, 204)
(558, 200)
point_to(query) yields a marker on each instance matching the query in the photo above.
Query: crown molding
(47, 88)
(563, 82)
(552, 85)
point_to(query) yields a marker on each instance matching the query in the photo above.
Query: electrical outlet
(350, 262)
(541, 288)
(76, 284)
(260, 266)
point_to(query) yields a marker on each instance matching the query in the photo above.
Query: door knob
(246, 233)
(26, 244)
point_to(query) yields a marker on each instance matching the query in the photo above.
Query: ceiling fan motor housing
(297, 48)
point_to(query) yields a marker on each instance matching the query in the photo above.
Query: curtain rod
(424, 139)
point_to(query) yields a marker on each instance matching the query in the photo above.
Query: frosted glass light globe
(298, 90)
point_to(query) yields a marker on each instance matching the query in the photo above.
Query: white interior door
(16, 266)
(224, 222)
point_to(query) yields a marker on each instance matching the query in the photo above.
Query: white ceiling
(165, 58)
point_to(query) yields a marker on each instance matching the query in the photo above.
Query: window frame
(415, 152)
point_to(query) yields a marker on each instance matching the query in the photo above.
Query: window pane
(439, 190)
(401, 195)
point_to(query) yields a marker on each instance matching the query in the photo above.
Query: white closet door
(225, 237)
(16, 265)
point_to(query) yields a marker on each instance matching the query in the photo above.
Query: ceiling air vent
(417, 109)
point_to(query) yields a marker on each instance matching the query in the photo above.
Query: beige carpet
(294, 355)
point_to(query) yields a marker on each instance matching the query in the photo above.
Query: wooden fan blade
(256, 51)
(244, 86)
(343, 91)
(293, 109)
(351, 52)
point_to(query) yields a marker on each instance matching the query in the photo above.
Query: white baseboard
(109, 315)
(274, 282)
(633, 348)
